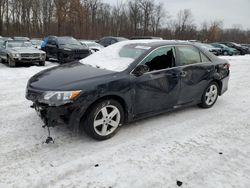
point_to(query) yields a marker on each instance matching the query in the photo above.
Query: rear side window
(189, 55)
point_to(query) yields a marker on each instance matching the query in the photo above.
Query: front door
(157, 89)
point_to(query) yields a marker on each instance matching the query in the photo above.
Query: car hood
(25, 50)
(70, 76)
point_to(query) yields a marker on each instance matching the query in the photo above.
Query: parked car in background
(36, 43)
(127, 81)
(21, 38)
(242, 50)
(65, 49)
(19, 52)
(106, 41)
(5, 39)
(216, 51)
(225, 49)
(92, 45)
(145, 37)
(248, 46)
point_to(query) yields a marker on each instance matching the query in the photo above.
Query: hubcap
(211, 94)
(107, 120)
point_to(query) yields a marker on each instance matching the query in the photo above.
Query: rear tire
(104, 119)
(210, 95)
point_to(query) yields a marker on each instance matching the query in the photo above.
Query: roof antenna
(49, 139)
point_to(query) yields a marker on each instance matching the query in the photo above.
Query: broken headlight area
(58, 98)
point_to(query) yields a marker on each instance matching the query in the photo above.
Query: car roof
(112, 37)
(158, 43)
(145, 37)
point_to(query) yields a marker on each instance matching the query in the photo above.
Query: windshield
(224, 46)
(119, 56)
(236, 44)
(68, 41)
(93, 44)
(18, 44)
(36, 42)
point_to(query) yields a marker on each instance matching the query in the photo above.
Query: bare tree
(184, 26)
(94, 19)
(147, 7)
(214, 31)
(135, 15)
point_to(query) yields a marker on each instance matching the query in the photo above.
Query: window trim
(172, 46)
(176, 55)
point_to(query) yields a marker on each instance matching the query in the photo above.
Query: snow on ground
(183, 145)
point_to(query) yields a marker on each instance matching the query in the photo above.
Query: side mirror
(140, 70)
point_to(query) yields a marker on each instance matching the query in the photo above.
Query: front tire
(210, 95)
(42, 63)
(11, 62)
(225, 53)
(104, 119)
(60, 58)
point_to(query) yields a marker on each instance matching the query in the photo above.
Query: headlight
(58, 98)
(15, 55)
(67, 49)
(42, 56)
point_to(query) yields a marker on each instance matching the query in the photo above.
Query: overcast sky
(229, 11)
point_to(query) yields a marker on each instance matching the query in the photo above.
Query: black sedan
(107, 41)
(242, 50)
(127, 81)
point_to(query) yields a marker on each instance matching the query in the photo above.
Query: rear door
(157, 89)
(195, 73)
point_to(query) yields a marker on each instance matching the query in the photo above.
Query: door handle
(183, 73)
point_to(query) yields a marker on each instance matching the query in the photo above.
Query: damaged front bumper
(53, 116)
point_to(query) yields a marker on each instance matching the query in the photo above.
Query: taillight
(227, 66)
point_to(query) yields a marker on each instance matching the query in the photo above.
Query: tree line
(92, 19)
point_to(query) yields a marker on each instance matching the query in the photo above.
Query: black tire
(11, 63)
(60, 58)
(95, 114)
(225, 53)
(204, 100)
(42, 63)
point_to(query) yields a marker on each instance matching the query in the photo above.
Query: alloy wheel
(107, 120)
(211, 95)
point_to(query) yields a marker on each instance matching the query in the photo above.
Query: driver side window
(160, 59)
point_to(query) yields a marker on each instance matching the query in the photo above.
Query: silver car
(18, 52)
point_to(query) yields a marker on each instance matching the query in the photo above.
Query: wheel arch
(118, 98)
(219, 84)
